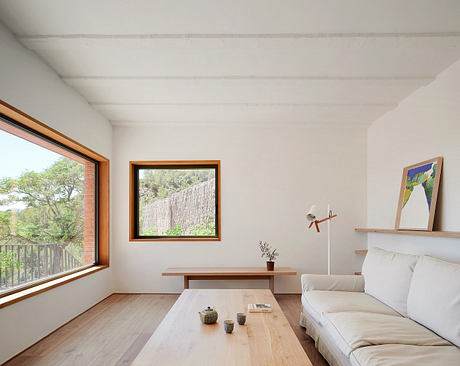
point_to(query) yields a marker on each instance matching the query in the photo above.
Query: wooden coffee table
(181, 339)
(229, 273)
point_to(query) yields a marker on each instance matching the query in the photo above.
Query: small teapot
(208, 315)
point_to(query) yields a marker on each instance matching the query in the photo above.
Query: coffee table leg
(271, 283)
(186, 282)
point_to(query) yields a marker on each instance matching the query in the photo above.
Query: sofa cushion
(318, 303)
(352, 330)
(434, 297)
(405, 355)
(387, 277)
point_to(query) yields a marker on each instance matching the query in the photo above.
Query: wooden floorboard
(291, 306)
(114, 331)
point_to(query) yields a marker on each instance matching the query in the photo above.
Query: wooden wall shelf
(361, 251)
(442, 234)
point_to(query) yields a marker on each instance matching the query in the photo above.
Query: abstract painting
(418, 195)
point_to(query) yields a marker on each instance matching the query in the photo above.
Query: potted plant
(269, 253)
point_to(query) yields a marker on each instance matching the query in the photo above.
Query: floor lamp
(313, 220)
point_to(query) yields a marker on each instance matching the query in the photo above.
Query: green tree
(53, 201)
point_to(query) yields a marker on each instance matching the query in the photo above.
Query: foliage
(76, 250)
(268, 252)
(202, 229)
(151, 231)
(5, 222)
(8, 260)
(53, 201)
(176, 231)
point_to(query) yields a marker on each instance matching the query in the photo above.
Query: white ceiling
(241, 61)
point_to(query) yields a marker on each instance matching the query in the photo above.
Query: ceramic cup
(228, 326)
(241, 318)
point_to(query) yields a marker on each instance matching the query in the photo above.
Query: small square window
(175, 200)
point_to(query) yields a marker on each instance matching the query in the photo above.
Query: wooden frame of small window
(103, 205)
(133, 198)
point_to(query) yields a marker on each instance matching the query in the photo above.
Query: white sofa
(403, 310)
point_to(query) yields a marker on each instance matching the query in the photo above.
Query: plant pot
(270, 266)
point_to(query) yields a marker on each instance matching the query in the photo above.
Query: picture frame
(418, 195)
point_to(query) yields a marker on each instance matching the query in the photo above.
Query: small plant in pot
(269, 253)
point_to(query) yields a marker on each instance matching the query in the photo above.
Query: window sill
(175, 239)
(21, 295)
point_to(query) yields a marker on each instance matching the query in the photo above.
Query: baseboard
(178, 293)
(146, 293)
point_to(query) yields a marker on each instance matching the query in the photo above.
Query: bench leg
(271, 283)
(186, 282)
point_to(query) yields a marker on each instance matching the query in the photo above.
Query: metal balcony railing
(30, 262)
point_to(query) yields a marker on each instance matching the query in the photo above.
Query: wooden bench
(229, 273)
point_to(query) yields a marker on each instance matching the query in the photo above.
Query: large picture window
(48, 202)
(175, 200)
(53, 207)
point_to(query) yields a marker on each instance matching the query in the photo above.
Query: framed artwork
(418, 195)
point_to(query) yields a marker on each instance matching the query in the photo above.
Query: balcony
(22, 264)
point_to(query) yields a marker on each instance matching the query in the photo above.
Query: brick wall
(89, 229)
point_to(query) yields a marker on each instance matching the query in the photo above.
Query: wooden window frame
(133, 237)
(103, 206)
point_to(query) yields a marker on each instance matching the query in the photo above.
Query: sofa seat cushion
(352, 330)
(406, 355)
(318, 303)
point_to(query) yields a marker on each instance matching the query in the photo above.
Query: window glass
(47, 208)
(177, 201)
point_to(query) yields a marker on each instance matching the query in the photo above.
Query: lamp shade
(312, 213)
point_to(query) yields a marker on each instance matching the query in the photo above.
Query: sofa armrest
(350, 283)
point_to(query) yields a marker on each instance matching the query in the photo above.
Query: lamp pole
(312, 219)
(329, 213)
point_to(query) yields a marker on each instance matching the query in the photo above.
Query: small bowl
(241, 318)
(228, 326)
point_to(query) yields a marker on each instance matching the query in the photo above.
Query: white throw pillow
(387, 277)
(434, 297)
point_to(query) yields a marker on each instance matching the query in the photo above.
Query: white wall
(270, 177)
(423, 126)
(31, 86)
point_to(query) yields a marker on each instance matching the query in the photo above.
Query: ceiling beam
(128, 123)
(240, 35)
(165, 17)
(425, 78)
(242, 113)
(300, 105)
(290, 92)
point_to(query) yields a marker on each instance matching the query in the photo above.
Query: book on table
(259, 308)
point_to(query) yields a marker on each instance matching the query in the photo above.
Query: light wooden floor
(114, 331)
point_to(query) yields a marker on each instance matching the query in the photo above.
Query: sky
(18, 155)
